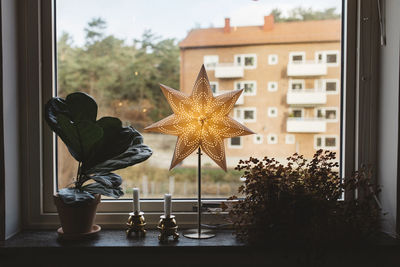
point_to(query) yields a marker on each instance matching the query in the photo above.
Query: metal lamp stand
(199, 233)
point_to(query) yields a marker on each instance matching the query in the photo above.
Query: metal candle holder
(167, 227)
(199, 233)
(136, 224)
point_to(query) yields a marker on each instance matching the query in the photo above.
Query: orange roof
(286, 32)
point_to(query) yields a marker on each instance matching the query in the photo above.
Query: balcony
(305, 125)
(306, 68)
(240, 100)
(308, 97)
(228, 70)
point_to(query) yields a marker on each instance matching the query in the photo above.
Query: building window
(331, 86)
(330, 114)
(210, 62)
(296, 85)
(297, 57)
(248, 61)
(250, 87)
(273, 59)
(325, 142)
(290, 139)
(235, 142)
(272, 112)
(296, 113)
(214, 87)
(331, 58)
(245, 114)
(272, 139)
(272, 86)
(258, 139)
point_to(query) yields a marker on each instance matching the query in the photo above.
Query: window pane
(330, 142)
(330, 114)
(120, 51)
(248, 114)
(235, 141)
(331, 58)
(331, 86)
(297, 58)
(249, 61)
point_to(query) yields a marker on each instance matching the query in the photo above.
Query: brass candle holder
(167, 227)
(136, 224)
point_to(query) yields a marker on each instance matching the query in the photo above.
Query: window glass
(331, 86)
(331, 58)
(330, 141)
(120, 51)
(249, 61)
(235, 141)
(319, 142)
(249, 115)
(214, 87)
(330, 114)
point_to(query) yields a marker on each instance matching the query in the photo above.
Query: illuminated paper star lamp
(200, 121)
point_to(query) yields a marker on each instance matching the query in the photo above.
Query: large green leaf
(111, 180)
(74, 195)
(120, 148)
(133, 155)
(82, 107)
(69, 118)
(79, 136)
(97, 188)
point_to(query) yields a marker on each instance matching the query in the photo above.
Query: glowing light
(136, 73)
(144, 110)
(200, 120)
(120, 104)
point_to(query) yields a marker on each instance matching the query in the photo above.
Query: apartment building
(290, 73)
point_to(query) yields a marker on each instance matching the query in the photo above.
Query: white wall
(389, 115)
(11, 116)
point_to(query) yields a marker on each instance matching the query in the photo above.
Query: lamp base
(194, 234)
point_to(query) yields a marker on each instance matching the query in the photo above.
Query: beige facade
(292, 94)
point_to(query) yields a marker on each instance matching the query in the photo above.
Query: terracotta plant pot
(77, 218)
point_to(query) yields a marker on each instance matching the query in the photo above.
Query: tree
(305, 14)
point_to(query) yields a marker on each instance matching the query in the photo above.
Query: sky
(127, 19)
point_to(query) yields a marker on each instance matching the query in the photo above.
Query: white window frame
(270, 114)
(293, 81)
(323, 138)
(297, 53)
(324, 57)
(269, 141)
(242, 56)
(288, 139)
(235, 146)
(272, 59)
(269, 86)
(37, 163)
(242, 85)
(324, 81)
(258, 142)
(324, 109)
(205, 61)
(216, 87)
(241, 111)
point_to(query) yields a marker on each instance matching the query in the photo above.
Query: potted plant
(299, 203)
(100, 147)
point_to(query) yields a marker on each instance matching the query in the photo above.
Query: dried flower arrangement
(300, 202)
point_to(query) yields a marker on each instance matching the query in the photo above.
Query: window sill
(112, 248)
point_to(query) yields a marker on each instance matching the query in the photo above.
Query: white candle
(136, 203)
(167, 205)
